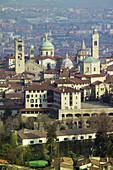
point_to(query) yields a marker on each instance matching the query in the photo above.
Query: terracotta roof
(96, 83)
(71, 81)
(110, 68)
(15, 95)
(45, 57)
(31, 134)
(91, 75)
(39, 86)
(109, 61)
(109, 78)
(63, 89)
(50, 72)
(63, 81)
(64, 74)
(86, 87)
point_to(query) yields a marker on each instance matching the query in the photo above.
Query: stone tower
(31, 51)
(95, 44)
(19, 56)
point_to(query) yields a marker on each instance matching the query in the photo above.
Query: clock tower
(95, 44)
(19, 56)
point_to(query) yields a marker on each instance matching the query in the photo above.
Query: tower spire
(83, 45)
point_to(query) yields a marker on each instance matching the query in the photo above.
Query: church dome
(89, 60)
(46, 44)
(67, 63)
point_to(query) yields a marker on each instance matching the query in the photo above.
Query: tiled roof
(50, 72)
(45, 57)
(86, 87)
(39, 86)
(14, 95)
(89, 76)
(96, 83)
(63, 89)
(110, 68)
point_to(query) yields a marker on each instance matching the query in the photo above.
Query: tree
(58, 64)
(73, 156)
(51, 140)
(92, 96)
(106, 97)
(101, 123)
(7, 113)
(13, 138)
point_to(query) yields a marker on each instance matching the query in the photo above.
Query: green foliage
(92, 96)
(7, 113)
(106, 97)
(58, 64)
(13, 138)
(103, 145)
(51, 141)
(73, 156)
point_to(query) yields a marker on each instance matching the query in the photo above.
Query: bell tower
(19, 56)
(31, 51)
(95, 44)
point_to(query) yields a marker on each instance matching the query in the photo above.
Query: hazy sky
(60, 3)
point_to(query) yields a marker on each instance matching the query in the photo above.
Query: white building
(31, 137)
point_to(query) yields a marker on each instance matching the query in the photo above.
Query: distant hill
(59, 3)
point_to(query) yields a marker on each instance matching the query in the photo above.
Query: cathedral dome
(67, 63)
(89, 60)
(47, 44)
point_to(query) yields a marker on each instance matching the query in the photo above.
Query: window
(44, 96)
(36, 100)
(73, 138)
(51, 53)
(31, 95)
(27, 96)
(90, 137)
(36, 105)
(42, 90)
(27, 100)
(82, 137)
(94, 68)
(32, 100)
(31, 141)
(40, 100)
(65, 139)
(32, 105)
(57, 139)
(41, 53)
(33, 91)
(47, 53)
(40, 105)
(20, 47)
(95, 43)
(87, 69)
(40, 141)
(36, 95)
